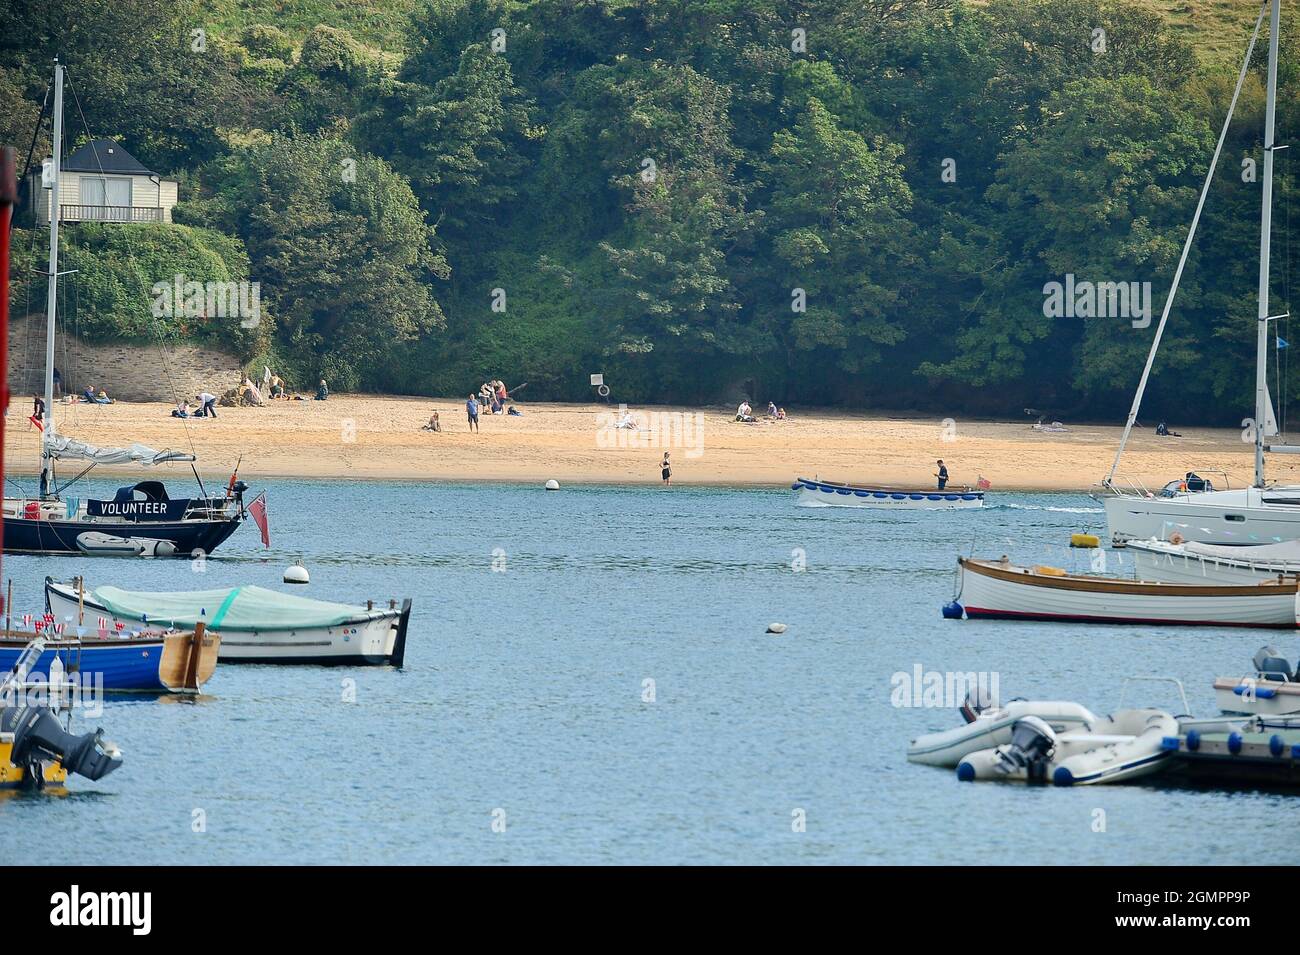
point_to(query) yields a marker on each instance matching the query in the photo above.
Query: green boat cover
(233, 608)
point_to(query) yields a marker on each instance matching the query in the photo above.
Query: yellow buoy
(1085, 540)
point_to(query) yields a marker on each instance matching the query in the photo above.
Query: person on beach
(38, 409)
(322, 391)
(745, 413)
(434, 424)
(207, 405)
(942, 475)
(277, 387)
(471, 411)
(250, 393)
(666, 470)
(182, 409)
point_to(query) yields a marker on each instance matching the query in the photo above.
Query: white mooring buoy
(552, 485)
(296, 574)
(776, 628)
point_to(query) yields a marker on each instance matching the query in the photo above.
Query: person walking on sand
(666, 470)
(471, 411)
(942, 475)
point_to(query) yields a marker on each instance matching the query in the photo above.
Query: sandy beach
(379, 437)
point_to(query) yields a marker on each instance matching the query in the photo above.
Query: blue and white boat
(816, 493)
(121, 662)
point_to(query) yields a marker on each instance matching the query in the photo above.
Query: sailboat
(141, 519)
(1258, 514)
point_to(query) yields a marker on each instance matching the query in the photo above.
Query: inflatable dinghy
(990, 728)
(95, 544)
(1110, 749)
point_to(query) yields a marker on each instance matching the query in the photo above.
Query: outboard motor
(1271, 665)
(975, 704)
(38, 736)
(1031, 747)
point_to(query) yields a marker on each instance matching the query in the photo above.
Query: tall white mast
(52, 292)
(1187, 248)
(1265, 237)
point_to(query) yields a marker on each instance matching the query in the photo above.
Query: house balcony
(111, 214)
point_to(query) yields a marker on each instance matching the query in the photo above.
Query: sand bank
(380, 437)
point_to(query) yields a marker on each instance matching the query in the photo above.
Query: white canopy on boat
(61, 446)
(1286, 550)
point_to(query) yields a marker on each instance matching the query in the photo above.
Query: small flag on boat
(983, 483)
(58, 628)
(258, 509)
(27, 620)
(119, 626)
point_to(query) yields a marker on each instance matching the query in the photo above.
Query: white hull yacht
(1261, 513)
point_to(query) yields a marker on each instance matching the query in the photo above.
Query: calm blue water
(523, 692)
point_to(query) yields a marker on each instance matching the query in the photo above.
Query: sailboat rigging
(1261, 513)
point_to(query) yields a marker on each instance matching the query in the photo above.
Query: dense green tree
(341, 248)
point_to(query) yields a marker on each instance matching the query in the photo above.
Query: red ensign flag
(258, 510)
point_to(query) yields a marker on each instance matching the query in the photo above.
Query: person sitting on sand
(514, 412)
(102, 398)
(745, 413)
(1162, 430)
(89, 393)
(780, 414)
(182, 409)
(627, 421)
(322, 391)
(434, 424)
(249, 392)
(771, 409)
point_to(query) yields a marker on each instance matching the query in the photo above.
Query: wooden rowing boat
(998, 589)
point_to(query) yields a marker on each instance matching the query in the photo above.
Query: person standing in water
(942, 475)
(666, 470)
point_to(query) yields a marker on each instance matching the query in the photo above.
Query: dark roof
(106, 155)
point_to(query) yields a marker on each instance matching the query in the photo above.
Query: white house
(102, 182)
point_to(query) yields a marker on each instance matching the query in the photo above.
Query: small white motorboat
(998, 589)
(991, 727)
(1189, 562)
(1110, 749)
(815, 493)
(1273, 690)
(256, 625)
